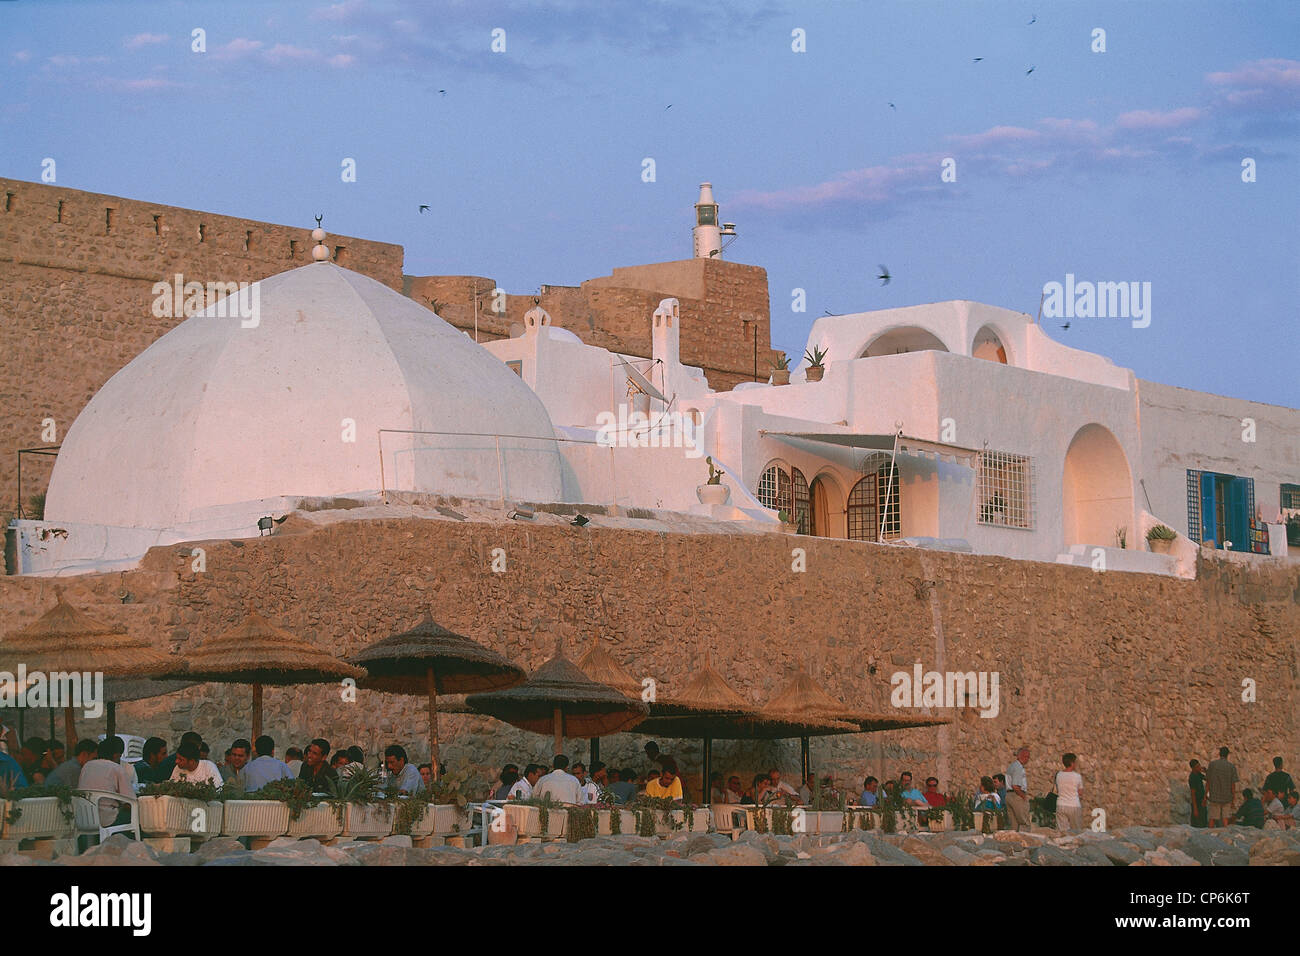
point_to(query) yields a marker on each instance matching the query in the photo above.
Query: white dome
(214, 414)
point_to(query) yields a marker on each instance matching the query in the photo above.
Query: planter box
(527, 820)
(626, 820)
(939, 826)
(449, 819)
(177, 817)
(678, 823)
(367, 821)
(255, 818)
(994, 823)
(320, 822)
(41, 820)
(823, 821)
(861, 819)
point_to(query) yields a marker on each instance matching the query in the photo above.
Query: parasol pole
(69, 727)
(257, 711)
(559, 729)
(708, 769)
(595, 751)
(433, 721)
(803, 760)
(112, 718)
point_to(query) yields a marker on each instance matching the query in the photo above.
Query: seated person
(622, 784)
(1277, 813)
(191, 768)
(106, 772)
(264, 768)
(987, 799)
(401, 772)
(153, 766)
(11, 774)
(932, 795)
(667, 784)
(734, 793)
(870, 792)
(68, 773)
(779, 785)
(717, 788)
(1252, 812)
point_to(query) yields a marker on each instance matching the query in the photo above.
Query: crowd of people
(250, 766)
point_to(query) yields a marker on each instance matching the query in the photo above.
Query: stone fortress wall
(1135, 673)
(77, 271)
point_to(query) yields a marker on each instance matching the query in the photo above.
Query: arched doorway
(1097, 490)
(909, 339)
(826, 515)
(872, 510)
(783, 488)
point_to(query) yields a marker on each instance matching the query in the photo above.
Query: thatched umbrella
(429, 659)
(64, 639)
(257, 652)
(598, 664)
(120, 690)
(560, 700)
(710, 708)
(804, 699)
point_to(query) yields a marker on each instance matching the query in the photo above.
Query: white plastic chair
(85, 806)
(134, 747)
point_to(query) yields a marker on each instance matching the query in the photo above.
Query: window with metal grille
(1006, 490)
(787, 491)
(1290, 497)
(873, 495)
(1194, 505)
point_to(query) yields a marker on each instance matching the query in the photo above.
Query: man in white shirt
(559, 784)
(523, 787)
(1018, 791)
(106, 773)
(779, 785)
(191, 769)
(589, 791)
(1069, 795)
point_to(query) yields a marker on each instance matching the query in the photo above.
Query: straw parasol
(257, 652)
(64, 639)
(598, 664)
(429, 659)
(559, 699)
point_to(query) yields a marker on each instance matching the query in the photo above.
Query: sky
(824, 128)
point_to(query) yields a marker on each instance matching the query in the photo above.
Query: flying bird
(1030, 70)
(884, 276)
(1033, 20)
(1066, 325)
(977, 59)
(892, 106)
(668, 107)
(443, 92)
(424, 208)
(829, 312)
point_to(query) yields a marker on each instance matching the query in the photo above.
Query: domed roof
(215, 414)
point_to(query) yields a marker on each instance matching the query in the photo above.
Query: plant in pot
(815, 357)
(713, 492)
(1160, 538)
(781, 371)
(359, 805)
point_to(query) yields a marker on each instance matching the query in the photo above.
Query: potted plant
(309, 816)
(713, 492)
(174, 809)
(938, 819)
(1121, 535)
(449, 813)
(360, 807)
(781, 371)
(1160, 538)
(815, 357)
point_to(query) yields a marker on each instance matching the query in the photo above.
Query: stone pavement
(1131, 846)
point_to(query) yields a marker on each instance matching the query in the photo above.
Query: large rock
(117, 850)
(302, 853)
(738, 854)
(925, 852)
(1164, 856)
(1048, 855)
(1207, 849)
(763, 842)
(1270, 851)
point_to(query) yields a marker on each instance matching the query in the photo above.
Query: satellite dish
(516, 330)
(640, 382)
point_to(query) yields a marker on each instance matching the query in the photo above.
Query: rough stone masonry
(1135, 673)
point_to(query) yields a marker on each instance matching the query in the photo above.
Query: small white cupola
(535, 319)
(666, 333)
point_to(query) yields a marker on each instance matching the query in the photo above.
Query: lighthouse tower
(708, 237)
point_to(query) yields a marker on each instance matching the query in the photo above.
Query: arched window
(874, 494)
(785, 489)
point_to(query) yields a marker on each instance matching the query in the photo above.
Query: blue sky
(1115, 166)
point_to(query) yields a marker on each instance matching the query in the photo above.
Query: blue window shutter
(1208, 510)
(1238, 516)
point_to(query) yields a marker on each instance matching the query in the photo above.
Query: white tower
(708, 237)
(665, 334)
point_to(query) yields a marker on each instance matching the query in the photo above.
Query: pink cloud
(996, 136)
(144, 39)
(1154, 119)
(237, 48)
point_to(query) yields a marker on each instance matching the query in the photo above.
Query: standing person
(1069, 795)
(1018, 791)
(1279, 781)
(1221, 780)
(1196, 783)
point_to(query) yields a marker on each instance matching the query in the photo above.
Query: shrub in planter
(48, 812)
(359, 805)
(176, 809)
(1160, 537)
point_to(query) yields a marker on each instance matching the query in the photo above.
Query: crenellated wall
(1135, 673)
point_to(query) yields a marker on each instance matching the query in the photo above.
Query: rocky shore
(1131, 846)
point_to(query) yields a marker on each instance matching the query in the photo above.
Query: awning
(906, 444)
